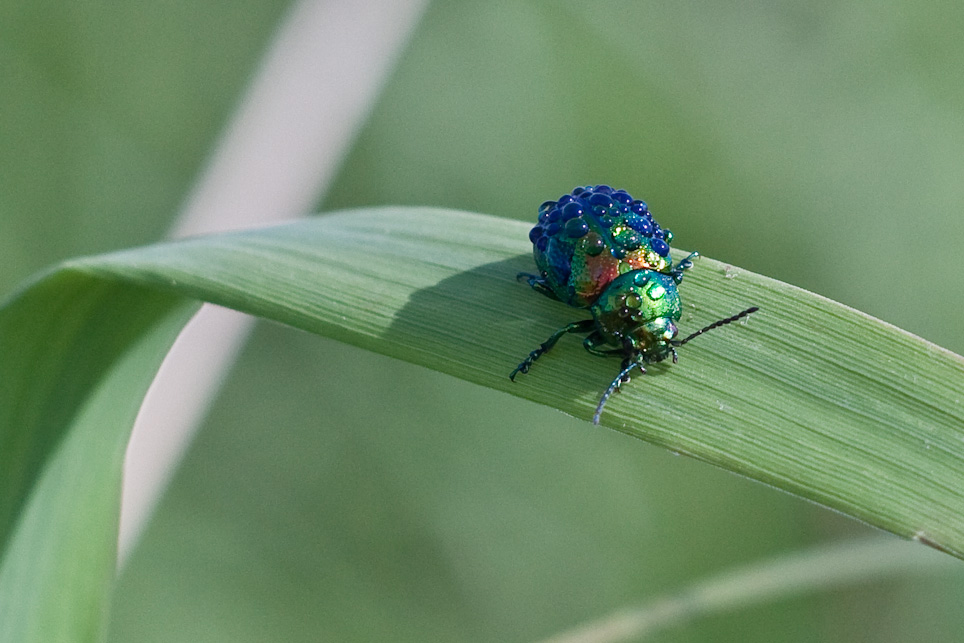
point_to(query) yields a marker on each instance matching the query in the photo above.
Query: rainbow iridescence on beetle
(589, 237)
(598, 248)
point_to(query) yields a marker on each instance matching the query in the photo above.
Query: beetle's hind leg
(538, 284)
(575, 327)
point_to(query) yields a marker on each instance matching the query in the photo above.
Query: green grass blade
(809, 396)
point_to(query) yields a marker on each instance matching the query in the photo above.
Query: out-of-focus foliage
(109, 110)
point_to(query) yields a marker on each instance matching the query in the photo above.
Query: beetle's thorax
(638, 311)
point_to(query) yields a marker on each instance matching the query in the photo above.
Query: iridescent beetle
(600, 249)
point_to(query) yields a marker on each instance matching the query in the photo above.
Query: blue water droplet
(600, 199)
(572, 210)
(577, 228)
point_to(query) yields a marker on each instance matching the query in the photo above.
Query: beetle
(599, 249)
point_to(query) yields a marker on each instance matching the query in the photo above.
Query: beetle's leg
(583, 326)
(682, 266)
(593, 342)
(538, 284)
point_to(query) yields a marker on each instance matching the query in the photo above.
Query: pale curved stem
(315, 88)
(820, 568)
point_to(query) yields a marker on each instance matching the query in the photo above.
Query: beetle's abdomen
(589, 237)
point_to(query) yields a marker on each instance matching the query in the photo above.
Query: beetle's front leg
(594, 343)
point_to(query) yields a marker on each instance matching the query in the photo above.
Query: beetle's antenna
(613, 388)
(717, 324)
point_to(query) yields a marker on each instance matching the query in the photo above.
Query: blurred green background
(337, 495)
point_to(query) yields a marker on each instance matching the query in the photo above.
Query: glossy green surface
(642, 306)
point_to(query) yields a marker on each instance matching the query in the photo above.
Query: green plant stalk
(809, 396)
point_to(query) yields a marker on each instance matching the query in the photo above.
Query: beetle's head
(654, 339)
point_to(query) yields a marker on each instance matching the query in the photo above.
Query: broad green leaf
(808, 395)
(77, 355)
